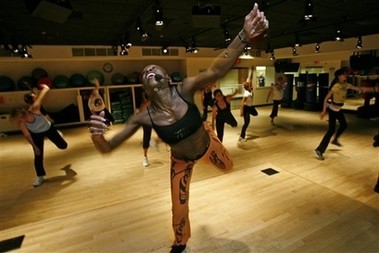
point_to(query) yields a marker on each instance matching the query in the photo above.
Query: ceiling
(96, 22)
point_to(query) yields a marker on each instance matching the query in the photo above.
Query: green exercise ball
(118, 78)
(95, 74)
(61, 81)
(78, 80)
(38, 73)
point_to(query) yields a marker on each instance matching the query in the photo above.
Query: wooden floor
(110, 203)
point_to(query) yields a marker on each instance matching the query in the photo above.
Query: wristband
(241, 38)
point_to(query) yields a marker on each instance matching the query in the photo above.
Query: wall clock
(107, 67)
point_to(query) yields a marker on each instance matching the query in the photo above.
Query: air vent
(158, 52)
(91, 51)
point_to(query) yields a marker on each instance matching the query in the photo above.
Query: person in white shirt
(247, 107)
(277, 93)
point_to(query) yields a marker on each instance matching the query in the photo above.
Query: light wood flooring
(111, 203)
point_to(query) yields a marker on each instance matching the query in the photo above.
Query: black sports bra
(181, 129)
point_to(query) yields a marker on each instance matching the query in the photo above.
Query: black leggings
(247, 111)
(275, 108)
(220, 123)
(146, 137)
(333, 117)
(38, 139)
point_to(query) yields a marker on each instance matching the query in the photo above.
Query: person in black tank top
(176, 119)
(221, 112)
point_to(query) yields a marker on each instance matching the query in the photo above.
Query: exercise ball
(118, 78)
(95, 74)
(44, 80)
(77, 80)
(6, 83)
(38, 73)
(133, 77)
(26, 83)
(61, 81)
(176, 77)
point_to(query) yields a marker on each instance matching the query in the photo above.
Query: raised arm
(38, 101)
(255, 24)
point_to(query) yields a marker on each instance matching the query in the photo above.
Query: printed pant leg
(181, 172)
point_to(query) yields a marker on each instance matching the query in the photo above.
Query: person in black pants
(337, 94)
(35, 127)
(207, 99)
(221, 112)
(247, 109)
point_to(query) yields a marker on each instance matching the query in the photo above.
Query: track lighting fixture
(339, 36)
(317, 48)
(158, 14)
(359, 43)
(164, 50)
(308, 15)
(294, 51)
(125, 44)
(297, 40)
(24, 52)
(191, 48)
(227, 36)
(272, 58)
(144, 35)
(19, 49)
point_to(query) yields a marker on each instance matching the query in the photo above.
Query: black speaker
(57, 11)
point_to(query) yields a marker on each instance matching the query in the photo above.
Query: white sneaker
(154, 144)
(145, 162)
(242, 139)
(38, 181)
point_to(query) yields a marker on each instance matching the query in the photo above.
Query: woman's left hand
(255, 24)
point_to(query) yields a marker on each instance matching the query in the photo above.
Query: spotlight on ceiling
(158, 14)
(359, 43)
(164, 50)
(317, 48)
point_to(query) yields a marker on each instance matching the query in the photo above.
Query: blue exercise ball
(78, 80)
(6, 83)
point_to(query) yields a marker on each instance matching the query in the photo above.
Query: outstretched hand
(97, 124)
(255, 24)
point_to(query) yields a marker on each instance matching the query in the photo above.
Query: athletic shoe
(242, 139)
(154, 144)
(145, 162)
(38, 181)
(178, 248)
(319, 155)
(335, 142)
